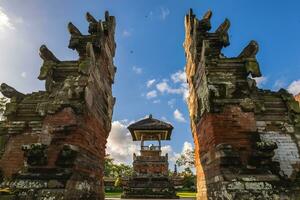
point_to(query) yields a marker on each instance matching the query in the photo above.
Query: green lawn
(113, 194)
(180, 194)
(187, 194)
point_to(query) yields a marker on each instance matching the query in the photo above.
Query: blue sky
(149, 37)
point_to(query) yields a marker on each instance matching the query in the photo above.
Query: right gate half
(246, 139)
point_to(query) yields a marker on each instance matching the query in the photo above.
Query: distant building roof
(150, 126)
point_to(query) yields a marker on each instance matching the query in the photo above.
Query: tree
(189, 179)
(187, 159)
(114, 170)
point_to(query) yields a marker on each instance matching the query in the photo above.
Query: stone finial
(47, 55)
(93, 23)
(207, 15)
(90, 18)
(191, 13)
(204, 23)
(250, 50)
(74, 31)
(10, 92)
(223, 28)
(106, 16)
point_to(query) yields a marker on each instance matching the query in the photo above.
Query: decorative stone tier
(53, 141)
(246, 139)
(149, 187)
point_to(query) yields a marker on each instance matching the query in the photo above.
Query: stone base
(63, 185)
(149, 188)
(259, 187)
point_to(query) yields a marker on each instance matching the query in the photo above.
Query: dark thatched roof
(150, 124)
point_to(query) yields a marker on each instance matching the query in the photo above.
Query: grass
(113, 194)
(180, 194)
(186, 194)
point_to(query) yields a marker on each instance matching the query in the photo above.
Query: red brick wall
(232, 126)
(89, 136)
(13, 160)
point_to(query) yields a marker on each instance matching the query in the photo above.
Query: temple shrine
(150, 178)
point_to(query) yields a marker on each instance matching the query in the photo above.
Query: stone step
(276, 109)
(271, 117)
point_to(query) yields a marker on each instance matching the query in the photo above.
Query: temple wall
(246, 139)
(56, 138)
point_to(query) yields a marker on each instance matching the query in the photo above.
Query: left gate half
(53, 141)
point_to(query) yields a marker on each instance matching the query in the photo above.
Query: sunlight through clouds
(5, 22)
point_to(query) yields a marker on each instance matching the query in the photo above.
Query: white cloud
(156, 101)
(150, 82)
(164, 87)
(179, 76)
(126, 33)
(171, 103)
(279, 84)
(166, 150)
(164, 13)
(119, 143)
(5, 22)
(187, 146)
(178, 116)
(137, 70)
(151, 94)
(260, 81)
(294, 87)
(23, 74)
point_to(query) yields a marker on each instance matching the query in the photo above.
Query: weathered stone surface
(246, 139)
(53, 141)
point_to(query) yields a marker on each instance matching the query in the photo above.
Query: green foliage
(114, 170)
(118, 182)
(189, 179)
